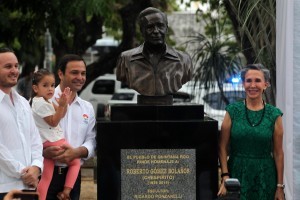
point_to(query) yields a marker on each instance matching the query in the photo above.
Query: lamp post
(48, 51)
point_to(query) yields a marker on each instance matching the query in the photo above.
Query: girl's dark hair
(36, 78)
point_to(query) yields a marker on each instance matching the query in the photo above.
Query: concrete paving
(88, 185)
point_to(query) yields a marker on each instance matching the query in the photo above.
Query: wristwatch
(281, 185)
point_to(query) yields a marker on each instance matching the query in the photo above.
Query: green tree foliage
(217, 56)
(74, 26)
(125, 24)
(253, 23)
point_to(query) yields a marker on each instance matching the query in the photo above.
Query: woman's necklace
(262, 116)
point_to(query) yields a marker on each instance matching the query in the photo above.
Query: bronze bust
(154, 68)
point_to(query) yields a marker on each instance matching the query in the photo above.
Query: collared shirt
(20, 142)
(79, 124)
(172, 71)
(41, 109)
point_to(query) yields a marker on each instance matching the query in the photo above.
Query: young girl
(47, 117)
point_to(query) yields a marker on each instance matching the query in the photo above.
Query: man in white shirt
(21, 148)
(78, 126)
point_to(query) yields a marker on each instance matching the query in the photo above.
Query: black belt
(60, 170)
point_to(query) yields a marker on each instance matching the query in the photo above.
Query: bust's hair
(149, 11)
(258, 67)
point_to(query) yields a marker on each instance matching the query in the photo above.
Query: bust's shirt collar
(138, 53)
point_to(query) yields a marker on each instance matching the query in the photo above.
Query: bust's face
(154, 29)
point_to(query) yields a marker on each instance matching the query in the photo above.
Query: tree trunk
(254, 25)
(107, 63)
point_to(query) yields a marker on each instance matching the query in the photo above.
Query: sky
(194, 5)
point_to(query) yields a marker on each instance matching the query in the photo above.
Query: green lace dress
(251, 147)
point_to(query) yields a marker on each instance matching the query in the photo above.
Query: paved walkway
(88, 186)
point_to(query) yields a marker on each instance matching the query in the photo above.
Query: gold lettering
(137, 171)
(158, 171)
(181, 170)
(158, 191)
(144, 196)
(143, 161)
(184, 156)
(161, 177)
(168, 156)
(163, 182)
(153, 182)
(162, 161)
(168, 196)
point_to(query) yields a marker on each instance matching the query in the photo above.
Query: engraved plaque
(158, 174)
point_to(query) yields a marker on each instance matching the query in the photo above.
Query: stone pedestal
(161, 146)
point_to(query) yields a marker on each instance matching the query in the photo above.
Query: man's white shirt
(79, 124)
(20, 142)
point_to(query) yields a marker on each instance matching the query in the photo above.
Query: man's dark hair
(149, 11)
(6, 49)
(66, 59)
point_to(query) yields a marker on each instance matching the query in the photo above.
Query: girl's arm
(53, 120)
(61, 109)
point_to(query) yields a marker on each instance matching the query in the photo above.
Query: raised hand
(64, 98)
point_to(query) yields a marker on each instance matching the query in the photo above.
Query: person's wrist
(226, 174)
(82, 152)
(280, 186)
(224, 179)
(62, 106)
(38, 169)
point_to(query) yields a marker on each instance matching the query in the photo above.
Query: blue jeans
(57, 184)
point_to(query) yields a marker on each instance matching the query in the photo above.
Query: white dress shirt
(41, 109)
(20, 142)
(79, 124)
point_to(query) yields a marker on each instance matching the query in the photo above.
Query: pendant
(261, 118)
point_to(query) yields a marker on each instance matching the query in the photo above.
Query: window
(104, 87)
(215, 101)
(182, 97)
(123, 96)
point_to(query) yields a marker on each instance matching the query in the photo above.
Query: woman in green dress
(251, 137)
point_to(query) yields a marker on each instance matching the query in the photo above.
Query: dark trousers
(58, 182)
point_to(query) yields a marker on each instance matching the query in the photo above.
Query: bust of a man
(154, 68)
